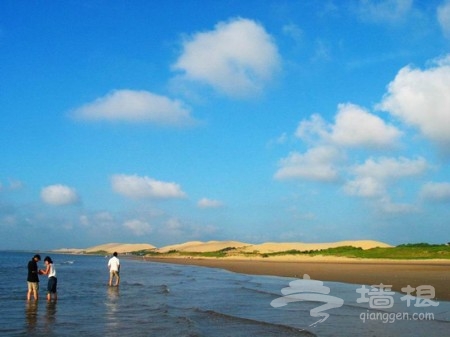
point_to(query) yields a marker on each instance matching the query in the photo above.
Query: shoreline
(398, 273)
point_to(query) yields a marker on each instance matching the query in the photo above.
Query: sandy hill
(271, 247)
(120, 247)
(212, 246)
(198, 246)
(268, 247)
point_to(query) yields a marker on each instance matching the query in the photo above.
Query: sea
(160, 299)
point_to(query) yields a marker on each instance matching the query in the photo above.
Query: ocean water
(158, 299)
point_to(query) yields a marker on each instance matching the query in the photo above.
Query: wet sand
(399, 274)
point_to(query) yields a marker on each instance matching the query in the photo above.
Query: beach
(399, 274)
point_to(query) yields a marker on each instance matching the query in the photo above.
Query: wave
(252, 327)
(68, 262)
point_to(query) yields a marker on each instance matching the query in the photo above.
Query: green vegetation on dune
(176, 253)
(97, 252)
(401, 252)
(407, 251)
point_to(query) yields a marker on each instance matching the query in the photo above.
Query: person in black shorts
(52, 280)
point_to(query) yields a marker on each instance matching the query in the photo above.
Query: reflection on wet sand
(50, 315)
(112, 305)
(113, 297)
(31, 309)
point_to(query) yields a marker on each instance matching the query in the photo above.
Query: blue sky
(171, 121)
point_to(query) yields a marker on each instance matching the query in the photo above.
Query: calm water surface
(157, 299)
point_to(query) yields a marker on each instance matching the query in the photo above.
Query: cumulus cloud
(59, 195)
(138, 227)
(209, 203)
(365, 186)
(372, 177)
(384, 11)
(421, 98)
(237, 58)
(354, 127)
(313, 130)
(416, 97)
(135, 106)
(317, 164)
(436, 191)
(136, 187)
(443, 16)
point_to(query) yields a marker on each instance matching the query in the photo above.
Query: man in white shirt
(114, 270)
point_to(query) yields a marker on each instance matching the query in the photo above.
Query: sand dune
(120, 247)
(211, 246)
(268, 247)
(198, 246)
(271, 247)
(179, 246)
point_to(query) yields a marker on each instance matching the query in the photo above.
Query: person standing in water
(52, 280)
(114, 270)
(33, 277)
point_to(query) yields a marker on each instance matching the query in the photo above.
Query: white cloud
(237, 58)
(313, 130)
(135, 106)
(387, 168)
(365, 186)
(421, 98)
(372, 177)
(356, 127)
(209, 203)
(443, 16)
(137, 187)
(138, 227)
(436, 191)
(317, 164)
(384, 11)
(59, 195)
